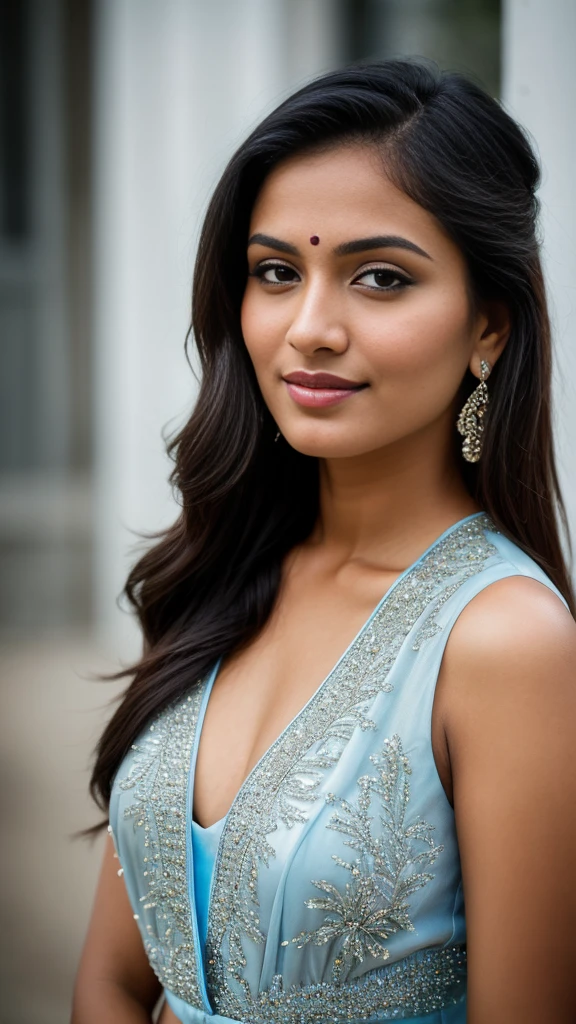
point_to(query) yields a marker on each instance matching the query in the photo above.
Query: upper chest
(259, 691)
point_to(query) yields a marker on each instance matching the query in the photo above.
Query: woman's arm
(508, 694)
(115, 982)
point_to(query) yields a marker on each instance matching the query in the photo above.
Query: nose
(317, 324)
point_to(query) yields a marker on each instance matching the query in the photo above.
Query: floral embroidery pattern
(282, 788)
(288, 778)
(375, 903)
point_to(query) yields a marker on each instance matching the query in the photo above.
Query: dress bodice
(332, 889)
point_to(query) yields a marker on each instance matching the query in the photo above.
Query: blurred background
(116, 118)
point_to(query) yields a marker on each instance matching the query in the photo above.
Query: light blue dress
(331, 892)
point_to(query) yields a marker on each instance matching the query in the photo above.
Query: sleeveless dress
(331, 892)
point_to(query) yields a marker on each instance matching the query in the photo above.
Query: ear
(493, 330)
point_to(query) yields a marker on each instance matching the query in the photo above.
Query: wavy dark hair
(209, 583)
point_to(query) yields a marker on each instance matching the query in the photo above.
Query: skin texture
(390, 485)
(411, 346)
(508, 703)
(115, 981)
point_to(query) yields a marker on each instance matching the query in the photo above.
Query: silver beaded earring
(470, 422)
(277, 436)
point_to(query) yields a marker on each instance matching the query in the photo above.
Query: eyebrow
(346, 248)
(379, 242)
(274, 243)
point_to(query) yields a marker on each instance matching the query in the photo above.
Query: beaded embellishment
(282, 788)
(374, 903)
(159, 782)
(287, 778)
(427, 980)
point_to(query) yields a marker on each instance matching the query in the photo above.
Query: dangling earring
(277, 436)
(470, 422)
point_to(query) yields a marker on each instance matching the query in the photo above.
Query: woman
(355, 703)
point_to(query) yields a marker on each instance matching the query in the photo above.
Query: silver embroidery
(469, 558)
(281, 788)
(429, 979)
(288, 777)
(374, 904)
(159, 781)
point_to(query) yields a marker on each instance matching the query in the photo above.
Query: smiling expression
(363, 340)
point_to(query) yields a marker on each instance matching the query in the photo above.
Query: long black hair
(209, 583)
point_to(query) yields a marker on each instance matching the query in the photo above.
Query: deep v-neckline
(299, 714)
(292, 725)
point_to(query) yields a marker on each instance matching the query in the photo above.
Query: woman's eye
(381, 279)
(276, 273)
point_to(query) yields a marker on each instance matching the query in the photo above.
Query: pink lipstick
(317, 390)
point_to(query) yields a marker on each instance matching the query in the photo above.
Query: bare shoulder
(508, 672)
(509, 669)
(512, 609)
(508, 699)
(515, 639)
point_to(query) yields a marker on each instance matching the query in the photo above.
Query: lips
(316, 390)
(321, 380)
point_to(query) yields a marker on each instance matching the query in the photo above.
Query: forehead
(343, 192)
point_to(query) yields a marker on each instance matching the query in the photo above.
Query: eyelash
(263, 268)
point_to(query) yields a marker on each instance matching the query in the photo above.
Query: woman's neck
(388, 505)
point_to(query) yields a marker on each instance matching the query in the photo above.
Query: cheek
(423, 342)
(263, 331)
(249, 323)
(262, 327)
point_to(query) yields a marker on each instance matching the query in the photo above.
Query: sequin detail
(374, 904)
(159, 780)
(288, 777)
(282, 788)
(427, 980)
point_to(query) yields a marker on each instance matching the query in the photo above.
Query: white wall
(177, 85)
(539, 47)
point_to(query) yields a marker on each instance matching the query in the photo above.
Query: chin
(328, 447)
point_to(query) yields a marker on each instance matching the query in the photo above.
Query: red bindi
(314, 240)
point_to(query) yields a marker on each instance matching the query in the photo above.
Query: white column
(539, 89)
(177, 85)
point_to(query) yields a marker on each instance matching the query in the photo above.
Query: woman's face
(351, 278)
